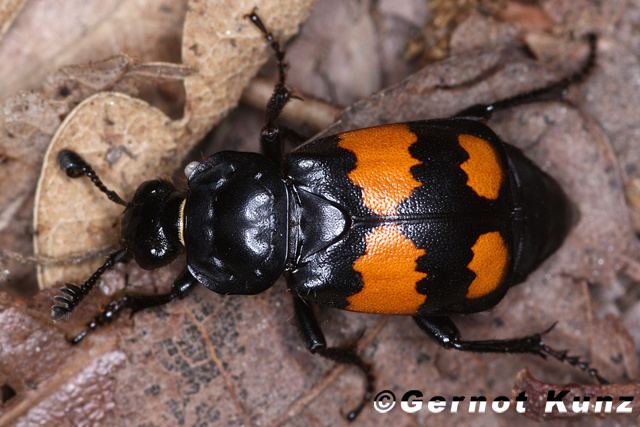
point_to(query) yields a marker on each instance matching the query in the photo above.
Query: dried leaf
(199, 366)
(529, 17)
(28, 121)
(78, 32)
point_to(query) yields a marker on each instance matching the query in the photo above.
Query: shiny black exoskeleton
(320, 216)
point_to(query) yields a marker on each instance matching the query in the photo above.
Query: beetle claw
(59, 311)
(549, 329)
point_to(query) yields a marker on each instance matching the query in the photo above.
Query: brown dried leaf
(193, 362)
(45, 38)
(528, 17)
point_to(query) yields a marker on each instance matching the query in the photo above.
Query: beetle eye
(190, 169)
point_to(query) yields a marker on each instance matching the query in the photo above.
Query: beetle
(429, 219)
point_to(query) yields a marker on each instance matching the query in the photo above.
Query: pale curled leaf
(28, 121)
(127, 141)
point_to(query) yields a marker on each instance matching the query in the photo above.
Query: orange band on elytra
(389, 276)
(383, 165)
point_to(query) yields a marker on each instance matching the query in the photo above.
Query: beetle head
(152, 224)
(151, 228)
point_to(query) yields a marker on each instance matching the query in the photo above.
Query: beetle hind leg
(444, 331)
(552, 91)
(315, 341)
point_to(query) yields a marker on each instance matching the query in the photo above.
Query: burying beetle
(428, 218)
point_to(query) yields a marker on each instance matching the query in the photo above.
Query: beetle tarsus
(70, 295)
(107, 315)
(350, 357)
(445, 332)
(181, 287)
(563, 356)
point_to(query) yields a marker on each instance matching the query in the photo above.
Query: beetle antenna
(70, 295)
(75, 166)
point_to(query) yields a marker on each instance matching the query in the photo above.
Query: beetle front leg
(316, 343)
(444, 331)
(271, 137)
(181, 287)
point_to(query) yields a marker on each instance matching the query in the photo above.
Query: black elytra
(429, 218)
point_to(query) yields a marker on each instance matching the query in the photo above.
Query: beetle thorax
(236, 223)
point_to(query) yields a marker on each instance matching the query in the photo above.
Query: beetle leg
(444, 331)
(292, 137)
(71, 295)
(181, 287)
(315, 341)
(550, 92)
(271, 138)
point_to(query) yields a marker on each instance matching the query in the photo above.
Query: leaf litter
(206, 360)
(45, 38)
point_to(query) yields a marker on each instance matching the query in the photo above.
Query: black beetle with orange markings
(429, 219)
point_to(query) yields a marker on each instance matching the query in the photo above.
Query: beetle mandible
(429, 219)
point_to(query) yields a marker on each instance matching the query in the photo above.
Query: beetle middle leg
(316, 343)
(444, 331)
(181, 287)
(550, 92)
(272, 136)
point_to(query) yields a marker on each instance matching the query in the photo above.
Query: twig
(311, 112)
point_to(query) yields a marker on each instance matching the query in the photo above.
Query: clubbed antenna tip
(75, 166)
